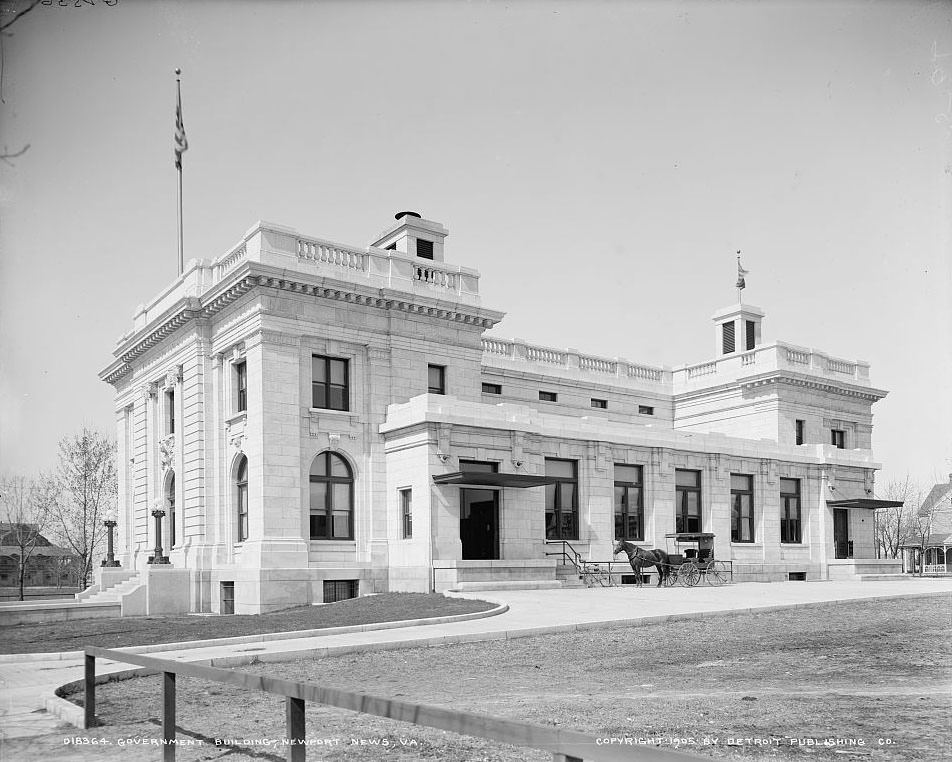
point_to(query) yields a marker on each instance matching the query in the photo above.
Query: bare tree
(894, 526)
(22, 521)
(81, 493)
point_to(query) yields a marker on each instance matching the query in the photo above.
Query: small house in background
(48, 565)
(928, 549)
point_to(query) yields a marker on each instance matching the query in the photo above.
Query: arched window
(170, 499)
(332, 498)
(241, 497)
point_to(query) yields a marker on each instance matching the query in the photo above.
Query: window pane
(339, 372)
(339, 466)
(242, 470)
(693, 504)
(551, 531)
(318, 369)
(319, 465)
(435, 376)
(684, 478)
(342, 524)
(562, 468)
(631, 474)
(341, 497)
(567, 495)
(790, 486)
(481, 466)
(318, 395)
(741, 482)
(318, 525)
(318, 496)
(550, 496)
(337, 398)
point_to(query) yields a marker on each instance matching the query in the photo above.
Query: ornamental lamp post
(110, 523)
(158, 557)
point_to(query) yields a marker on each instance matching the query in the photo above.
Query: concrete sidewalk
(27, 686)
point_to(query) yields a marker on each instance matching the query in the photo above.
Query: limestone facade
(287, 355)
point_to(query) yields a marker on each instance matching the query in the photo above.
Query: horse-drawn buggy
(692, 560)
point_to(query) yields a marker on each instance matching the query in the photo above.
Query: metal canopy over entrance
(488, 480)
(864, 502)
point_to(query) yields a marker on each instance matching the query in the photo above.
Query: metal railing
(565, 745)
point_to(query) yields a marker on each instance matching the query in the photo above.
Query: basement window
(339, 590)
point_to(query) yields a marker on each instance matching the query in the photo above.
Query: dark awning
(690, 536)
(864, 502)
(489, 480)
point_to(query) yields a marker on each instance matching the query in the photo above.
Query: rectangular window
(392, 247)
(492, 388)
(339, 590)
(838, 438)
(170, 412)
(790, 523)
(241, 387)
(645, 410)
(801, 429)
(750, 334)
(548, 397)
(330, 386)
(728, 337)
(629, 503)
(406, 513)
(742, 508)
(687, 500)
(424, 249)
(600, 404)
(436, 379)
(561, 500)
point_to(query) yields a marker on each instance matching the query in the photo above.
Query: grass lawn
(140, 631)
(851, 680)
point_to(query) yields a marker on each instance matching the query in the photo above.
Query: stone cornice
(786, 378)
(254, 275)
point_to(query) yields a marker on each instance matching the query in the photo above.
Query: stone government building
(318, 420)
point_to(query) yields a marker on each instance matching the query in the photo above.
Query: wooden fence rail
(565, 745)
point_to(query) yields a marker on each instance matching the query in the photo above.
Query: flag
(181, 143)
(741, 272)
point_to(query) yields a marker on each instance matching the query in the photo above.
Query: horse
(639, 558)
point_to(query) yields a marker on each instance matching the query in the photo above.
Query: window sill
(741, 544)
(236, 418)
(330, 542)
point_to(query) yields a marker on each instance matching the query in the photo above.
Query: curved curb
(74, 714)
(500, 608)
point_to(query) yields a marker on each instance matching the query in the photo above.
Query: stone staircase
(568, 577)
(115, 592)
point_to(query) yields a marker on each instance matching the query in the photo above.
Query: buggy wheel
(717, 573)
(689, 574)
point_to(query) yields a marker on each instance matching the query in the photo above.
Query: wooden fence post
(297, 749)
(168, 717)
(90, 700)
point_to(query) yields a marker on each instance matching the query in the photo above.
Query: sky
(599, 163)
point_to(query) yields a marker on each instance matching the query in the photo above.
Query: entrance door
(842, 546)
(479, 523)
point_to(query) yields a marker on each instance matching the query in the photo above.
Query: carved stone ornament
(237, 440)
(173, 376)
(333, 441)
(166, 452)
(147, 391)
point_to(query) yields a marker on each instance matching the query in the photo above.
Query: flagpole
(181, 253)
